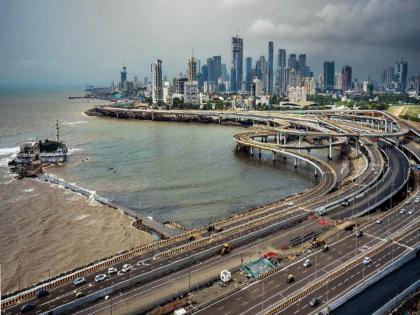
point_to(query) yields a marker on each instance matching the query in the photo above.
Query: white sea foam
(72, 123)
(72, 150)
(8, 151)
(4, 161)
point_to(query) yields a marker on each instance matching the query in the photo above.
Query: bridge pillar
(280, 136)
(316, 172)
(357, 146)
(300, 142)
(274, 155)
(330, 148)
(285, 140)
(251, 150)
(278, 139)
(386, 125)
(295, 162)
(259, 153)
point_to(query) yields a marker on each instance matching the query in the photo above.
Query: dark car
(359, 233)
(27, 307)
(42, 293)
(314, 302)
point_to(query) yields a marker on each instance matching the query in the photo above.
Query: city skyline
(88, 47)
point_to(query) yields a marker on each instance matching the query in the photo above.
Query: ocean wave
(9, 151)
(4, 161)
(72, 123)
(72, 150)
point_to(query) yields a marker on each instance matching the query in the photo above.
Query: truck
(225, 249)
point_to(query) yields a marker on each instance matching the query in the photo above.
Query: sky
(79, 42)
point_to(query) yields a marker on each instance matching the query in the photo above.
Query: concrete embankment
(153, 227)
(163, 115)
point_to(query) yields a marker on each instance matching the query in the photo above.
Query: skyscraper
(236, 69)
(192, 69)
(281, 64)
(270, 67)
(157, 85)
(302, 66)
(211, 70)
(329, 75)
(248, 78)
(292, 62)
(217, 64)
(346, 78)
(123, 75)
(400, 73)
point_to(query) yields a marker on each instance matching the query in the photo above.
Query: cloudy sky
(80, 42)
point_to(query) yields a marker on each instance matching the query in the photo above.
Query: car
(402, 211)
(42, 293)
(79, 295)
(407, 202)
(126, 268)
(325, 248)
(379, 221)
(307, 263)
(314, 302)
(101, 277)
(359, 233)
(112, 270)
(79, 281)
(28, 307)
(376, 173)
(345, 203)
(290, 278)
(410, 212)
(290, 203)
(417, 200)
(367, 260)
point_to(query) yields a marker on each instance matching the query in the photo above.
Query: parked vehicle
(359, 233)
(225, 249)
(402, 211)
(379, 221)
(325, 248)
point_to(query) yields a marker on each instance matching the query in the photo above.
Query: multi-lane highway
(157, 263)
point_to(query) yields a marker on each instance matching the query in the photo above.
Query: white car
(407, 202)
(307, 263)
(367, 261)
(126, 268)
(417, 200)
(402, 211)
(410, 212)
(101, 277)
(290, 203)
(112, 270)
(379, 221)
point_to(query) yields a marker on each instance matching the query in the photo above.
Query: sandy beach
(46, 230)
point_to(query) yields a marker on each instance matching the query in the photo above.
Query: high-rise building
(192, 69)
(329, 75)
(248, 78)
(292, 62)
(263, 73)
(338, 81)
(281, 64)
(387, 78)
(123, 75)
(236, 69)
(346, 79)
(191, 93)
(167, 93)
(400, 75)
(211, 70)
(217, 63)
(157, 88)
(178, 84)
(303, 68)
(270, 67)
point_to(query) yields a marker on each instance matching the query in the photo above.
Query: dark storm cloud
(83, 42)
